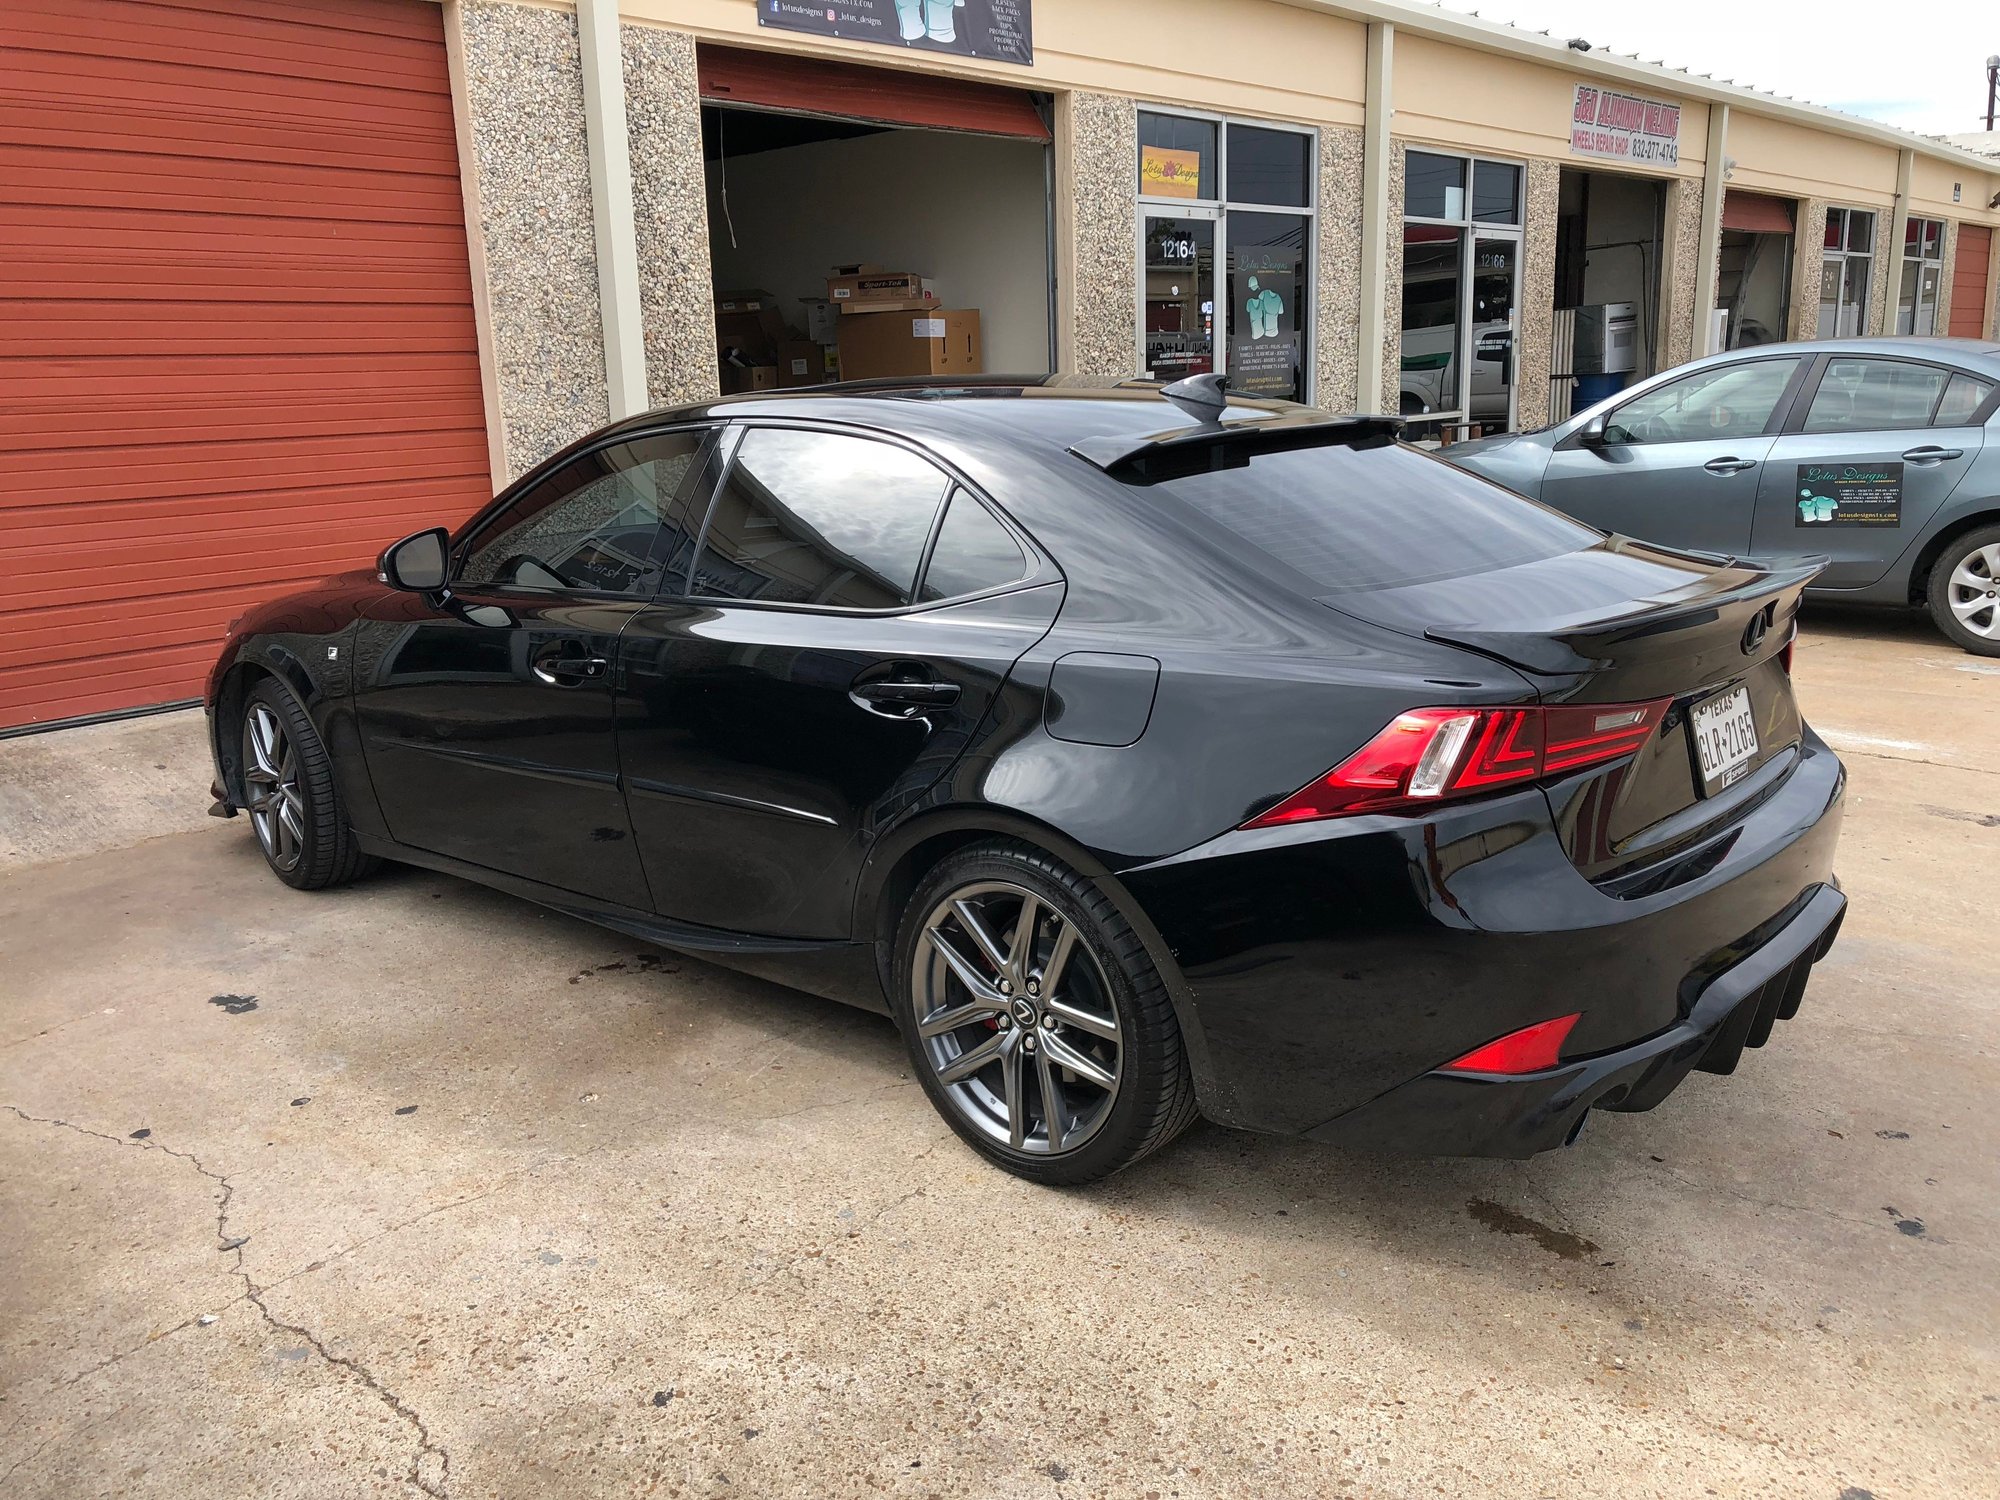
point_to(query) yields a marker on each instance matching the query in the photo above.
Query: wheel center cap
(1024, 1012)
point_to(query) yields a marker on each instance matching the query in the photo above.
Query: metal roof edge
(1552, 51)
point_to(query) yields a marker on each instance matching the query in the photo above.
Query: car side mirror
(1592, 434)
(417, 564)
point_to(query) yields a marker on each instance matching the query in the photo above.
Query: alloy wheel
(1973, 591)
(1016, 1019)
(271, 787)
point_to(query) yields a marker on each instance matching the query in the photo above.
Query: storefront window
(1923, 274)
(1239, 196)
(1269, 166)
(1845, 266)
(1461, 284)
(1177, 157)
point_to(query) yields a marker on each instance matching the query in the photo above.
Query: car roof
(1982, 355)
(1063, 411)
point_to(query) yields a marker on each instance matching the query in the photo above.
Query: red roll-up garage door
(1974, 263)
(236, 334)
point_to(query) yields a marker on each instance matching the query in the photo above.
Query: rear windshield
(1345, 518)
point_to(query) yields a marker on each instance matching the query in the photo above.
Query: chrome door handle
(1930, 453)
(1729, 465)
(923, 694)
(569, 671)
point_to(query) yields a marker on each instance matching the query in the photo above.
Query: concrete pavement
(415, 1189)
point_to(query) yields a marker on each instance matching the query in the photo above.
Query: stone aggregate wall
(1336, 327)
(670, 213)
(1103, 219)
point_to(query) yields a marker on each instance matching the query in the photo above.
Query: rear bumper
(1332, 969)
(1472, 1114)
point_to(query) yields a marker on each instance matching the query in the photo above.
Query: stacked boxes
(873, 322)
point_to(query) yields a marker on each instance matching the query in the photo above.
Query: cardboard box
(887, 304)
(755, 334)
(750, 301)
(929, 342)
(737, 379)
(801, 362)
(879, 286)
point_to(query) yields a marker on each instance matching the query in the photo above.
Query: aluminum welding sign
(998, 29)
(1849, 495)
(1625, 127)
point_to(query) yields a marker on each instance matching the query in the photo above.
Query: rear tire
(1058, 1058)
(290, 794)
(1964, 593)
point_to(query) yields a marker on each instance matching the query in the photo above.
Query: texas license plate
(1725, 736)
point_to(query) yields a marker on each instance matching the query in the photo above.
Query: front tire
(1965, 591)
(289, 792)
(1035, 1019)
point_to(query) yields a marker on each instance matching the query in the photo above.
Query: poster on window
(996, 29)
(1625, 127)
(1264, 324)
(1850, 495)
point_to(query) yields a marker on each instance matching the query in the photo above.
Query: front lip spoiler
(1521, 1115)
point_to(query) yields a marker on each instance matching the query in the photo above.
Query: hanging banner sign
(1850, 495)
(1264, 326)
(996, 29)
(1625, 127)
(1167, 173)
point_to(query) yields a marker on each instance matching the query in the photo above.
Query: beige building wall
(523, 116)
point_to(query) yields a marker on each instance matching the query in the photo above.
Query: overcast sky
(1921, 66)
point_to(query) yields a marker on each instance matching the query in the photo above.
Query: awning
(811, 86)
(1756, 213)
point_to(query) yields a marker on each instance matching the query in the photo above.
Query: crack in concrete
(1918, 760)
(427, 1446)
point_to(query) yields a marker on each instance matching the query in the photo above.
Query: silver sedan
(1881, 455)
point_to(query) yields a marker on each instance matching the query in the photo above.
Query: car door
(807, 687)
(1680, 462)
(486, 713)
(1866, 462)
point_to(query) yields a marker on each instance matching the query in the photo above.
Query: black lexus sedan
(1143, 756)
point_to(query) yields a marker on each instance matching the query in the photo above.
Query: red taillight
(1529, 1050)
(1785, 656)
(1428, 754)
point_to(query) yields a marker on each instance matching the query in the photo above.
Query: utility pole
(1992, 87)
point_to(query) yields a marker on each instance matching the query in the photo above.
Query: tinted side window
(819, 518)
(1728, 401)
(608, 521)
(1864, 395)
(1962, 398)
(974, 553)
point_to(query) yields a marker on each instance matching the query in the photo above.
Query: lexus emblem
(1755, 631)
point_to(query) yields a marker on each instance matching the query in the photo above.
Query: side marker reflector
(1532, 1049)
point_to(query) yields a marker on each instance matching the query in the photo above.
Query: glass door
(1496, 275)
(1178, 298)
(1433, 305)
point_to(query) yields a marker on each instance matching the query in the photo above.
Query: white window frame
(1839, 259)
(1934, 263)
(1474, 230)
(1218, 210)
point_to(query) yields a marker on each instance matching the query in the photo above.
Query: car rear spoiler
(1714, 624)
(1208, 446)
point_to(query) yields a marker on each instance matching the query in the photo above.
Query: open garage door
(933, 192)
(236, 339)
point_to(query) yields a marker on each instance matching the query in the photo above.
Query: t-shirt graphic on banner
(1264, 342)
(996, 29)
